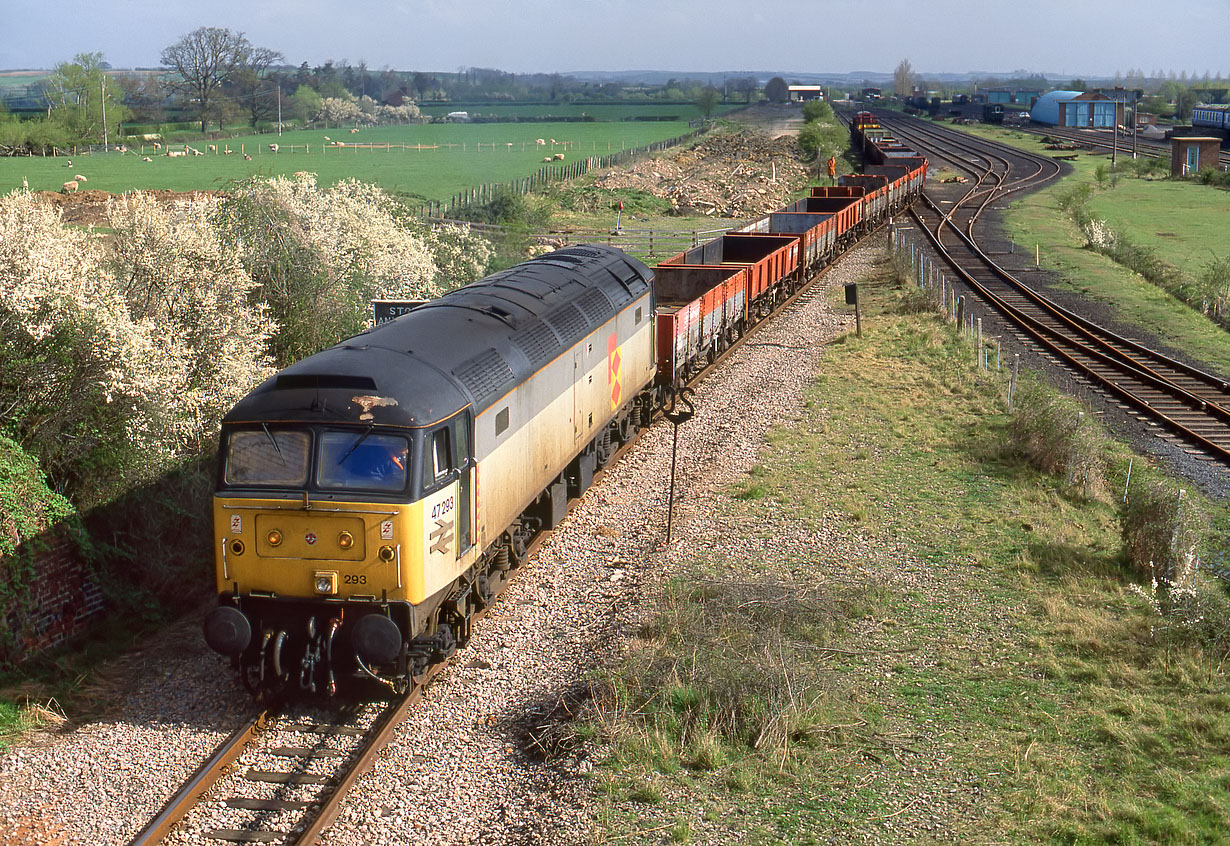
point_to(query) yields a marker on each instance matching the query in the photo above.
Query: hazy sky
(1064, 37)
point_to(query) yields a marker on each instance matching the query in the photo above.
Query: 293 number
(354, 579)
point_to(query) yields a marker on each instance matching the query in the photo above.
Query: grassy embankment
(961, 656)
(1183, 221)
(454, 156)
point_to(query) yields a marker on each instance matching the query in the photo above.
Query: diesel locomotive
(372, 497)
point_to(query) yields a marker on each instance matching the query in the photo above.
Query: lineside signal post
(852, 299)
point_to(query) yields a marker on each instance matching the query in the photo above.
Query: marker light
(345, 540)
(275, 538)
(326, 582)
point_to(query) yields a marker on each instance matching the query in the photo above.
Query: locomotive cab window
(439, 459)
(363, 460)
(268, 457)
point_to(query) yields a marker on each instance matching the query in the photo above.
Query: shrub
(320, 255)
(820, 141)
(1056, 436)
(817, 110)
(1162, 528)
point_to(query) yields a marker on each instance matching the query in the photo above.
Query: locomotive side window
(268, 457)
(501, 421)
(362, 460)
(441, 455)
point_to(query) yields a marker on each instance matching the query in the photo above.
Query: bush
(817, 110)
(320, 255)
(1162, 528)
(820, 141)
(1056, 436)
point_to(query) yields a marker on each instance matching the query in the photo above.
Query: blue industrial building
(1078, 109)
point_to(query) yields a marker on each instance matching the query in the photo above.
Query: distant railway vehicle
(1214, 117)
(993, 112)
(372, 498)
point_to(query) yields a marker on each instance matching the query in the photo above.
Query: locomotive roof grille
(539, 343)
(487, 376)
(568, 323)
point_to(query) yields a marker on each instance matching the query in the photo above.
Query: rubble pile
(739, 174)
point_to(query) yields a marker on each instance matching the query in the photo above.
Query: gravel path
(462, 769)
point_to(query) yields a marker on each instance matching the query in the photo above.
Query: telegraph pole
(103, 86)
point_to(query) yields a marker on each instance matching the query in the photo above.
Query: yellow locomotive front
(340, 547)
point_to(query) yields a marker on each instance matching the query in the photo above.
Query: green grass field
(454, 156)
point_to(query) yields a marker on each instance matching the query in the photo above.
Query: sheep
(559, 157)
(146, 159)
(246, 157)
(197, 153)
(327, 138)
(353, 131)
(157, 146)
(273, 148)
(213, 148)
(540, 142)
(69, 187)
(80, 178)
(177, 153)
(227, 152)
(68, 163)
(547, 159)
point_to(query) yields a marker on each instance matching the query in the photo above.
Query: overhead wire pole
(102, 83)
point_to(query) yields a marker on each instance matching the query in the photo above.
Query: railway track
(1101, 139)
(1190, 405)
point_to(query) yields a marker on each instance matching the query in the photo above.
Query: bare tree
(205, 60)
(903, 79)
(251, 88)
(707, 101)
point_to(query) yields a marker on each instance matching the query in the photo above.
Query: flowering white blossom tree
(122, 352)
(320, 255)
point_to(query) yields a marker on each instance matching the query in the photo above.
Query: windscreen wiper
(274, 441)
(355, 445)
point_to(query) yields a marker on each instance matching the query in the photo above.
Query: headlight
(326, 583)
(386, 554)
(237, 547)
(275, 538)
(345, 540)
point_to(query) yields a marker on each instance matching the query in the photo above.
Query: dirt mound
(733, 174)
(89, 208)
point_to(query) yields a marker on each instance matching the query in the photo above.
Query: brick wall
(57, 600)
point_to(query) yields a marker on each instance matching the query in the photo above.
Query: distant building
(1189, 156)
(1020, 96)
(1089, 110)
(802, 93)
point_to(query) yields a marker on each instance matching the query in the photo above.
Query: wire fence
(549, 174)
(646, 244)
